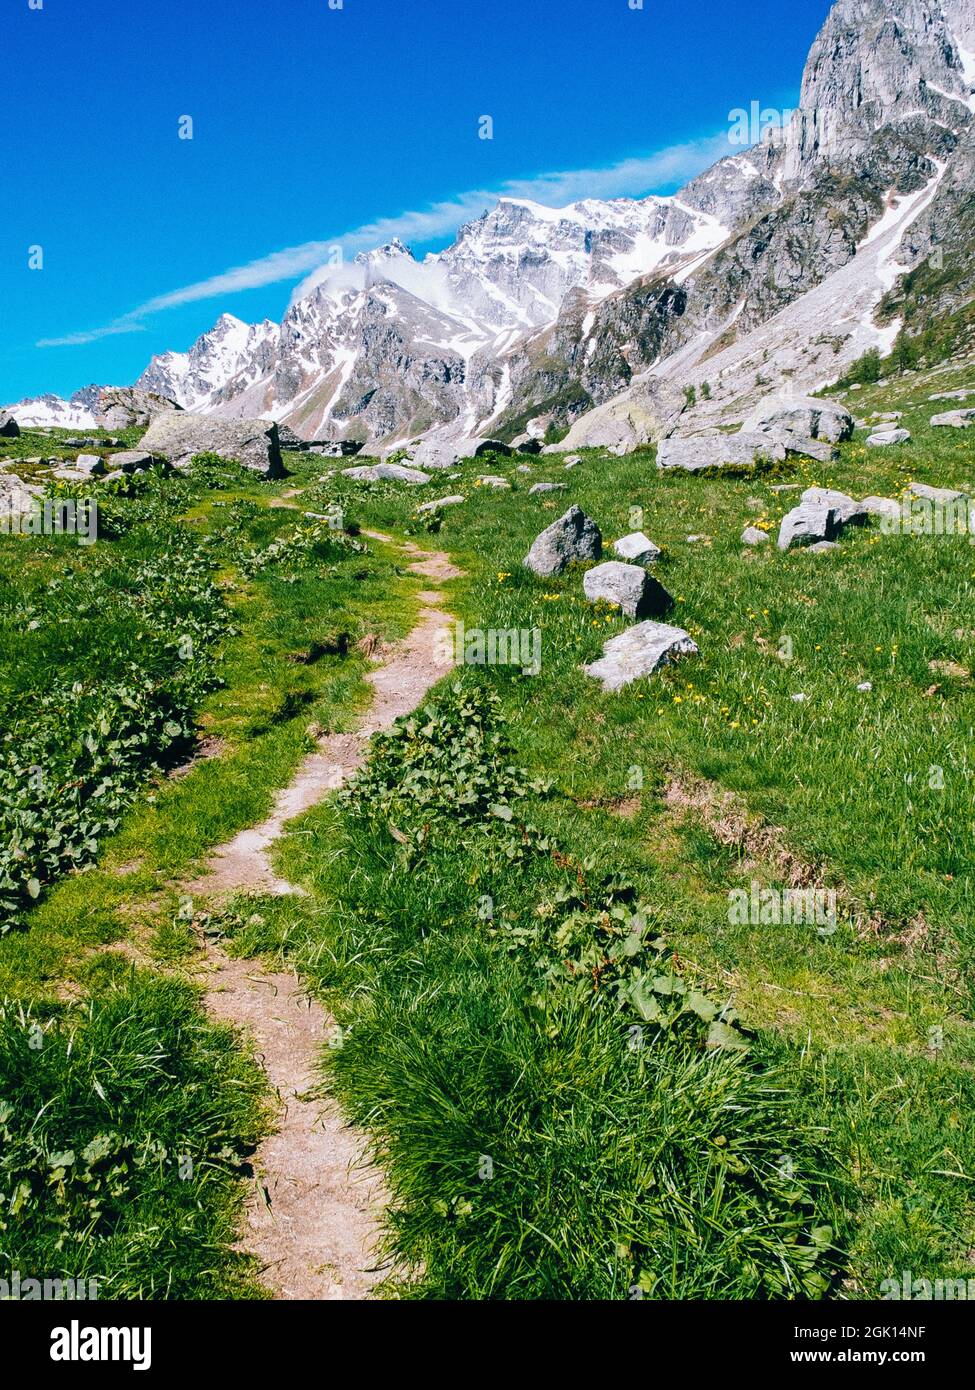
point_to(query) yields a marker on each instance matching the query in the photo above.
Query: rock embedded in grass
(637, 548)
(882, 437)
(942, 496)
(754, 535)
(177, 435)
(547, 487)
(92, 464)
(630, 587)
(492, 480)
(956, 419)
(802, 416)
(639, 652)
(881, 506)
(574, 536)
(454, 500)
(388, 472)
(848, 511)
(807, 525)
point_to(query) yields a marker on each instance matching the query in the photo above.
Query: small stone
(881, 437)
(754, 535)
(547, 487)
(454, 500)
(637, 548)
(491, 480)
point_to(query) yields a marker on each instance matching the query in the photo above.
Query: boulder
(637, 548)
(942, 496)
(435, 455)
(492, 480)
(806, 525)
(647, 412)
(573, 461)
(177, 435)
(754, 535)
(9, 429)
(330, 449)
(692, 453)
(120, 407)
(881, 506)
(820, 546)
(800, 415)
(879, 438)
(388, 472)
(573, 537)
(527, 444)
(92, 464)
(961, 395)
(848, 512)
(639, 652)
(630, 587)
(492, 446)
(454, 500)
(959, 419)
(547, 487)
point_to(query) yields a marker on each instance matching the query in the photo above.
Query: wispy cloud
(627, 178)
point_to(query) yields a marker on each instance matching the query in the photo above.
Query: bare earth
(313, 1218)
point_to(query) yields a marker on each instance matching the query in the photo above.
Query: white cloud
(628, 178)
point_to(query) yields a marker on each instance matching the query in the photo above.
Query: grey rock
(943, 496)
(820, 546)
(9, 429)
(806, 525)
(454, 500)
(639, 652)
(437, 456)
(846, 510)
(120, 407)
(385, 472)
(92, 464)
(881, 506)
(492, 480)
(637, 548)
(696, 452)
(530, 446)
(883, 437)
(547, 487)
(957, 419)
(177, 435)
(573, 537)
(801, 415)
(523, 468)
(630, 587)
(961, 395)
(753, 535)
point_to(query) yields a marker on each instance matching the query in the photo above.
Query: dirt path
(313, 1219)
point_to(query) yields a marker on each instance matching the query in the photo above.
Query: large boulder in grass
(807, 525)
(848, 511)
(177, 435)
(639, 652)
(438, 455)
(120, 407)
(574, 536)
(693, 453)
(630, 587)
(958, 419)
(801, 415)
(637, 549)
(385, 472)
(9, 429)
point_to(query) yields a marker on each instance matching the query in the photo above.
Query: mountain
(849, 227)
(77, 412)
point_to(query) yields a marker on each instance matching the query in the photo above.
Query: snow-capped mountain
(390, 345)
(75, 413)
(787, 258)
(230, 350)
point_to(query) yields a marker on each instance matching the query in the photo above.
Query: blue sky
(312, 123)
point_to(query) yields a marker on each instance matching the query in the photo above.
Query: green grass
(126, 1050)
(873, 786)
